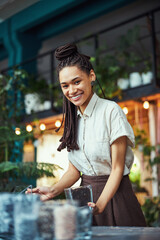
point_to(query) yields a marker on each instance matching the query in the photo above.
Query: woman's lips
(77, 97)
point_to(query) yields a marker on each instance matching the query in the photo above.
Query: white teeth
(76, 97)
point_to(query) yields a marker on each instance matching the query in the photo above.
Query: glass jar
(65, 220)
(46, 220)
(84, 223)
(6, 215)
(26, 211)
(82, 194)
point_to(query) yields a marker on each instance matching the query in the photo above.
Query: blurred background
(123, 39)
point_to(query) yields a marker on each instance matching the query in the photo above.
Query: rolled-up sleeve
(119, 126)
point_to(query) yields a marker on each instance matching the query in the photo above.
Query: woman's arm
(118, 152)
(68, 179)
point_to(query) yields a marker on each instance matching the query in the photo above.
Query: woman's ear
(92, 75)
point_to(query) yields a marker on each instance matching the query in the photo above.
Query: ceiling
(11, 7)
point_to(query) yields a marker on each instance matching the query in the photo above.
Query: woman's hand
(45, 193)
(95, 209)
(67, 180)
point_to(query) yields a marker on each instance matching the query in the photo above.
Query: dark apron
(122, 210)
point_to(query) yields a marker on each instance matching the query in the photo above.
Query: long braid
(70, 127)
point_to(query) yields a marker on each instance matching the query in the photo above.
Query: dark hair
(68, 55)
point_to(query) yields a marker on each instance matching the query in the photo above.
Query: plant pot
(147, 77)
(123, 83)
(135, 79)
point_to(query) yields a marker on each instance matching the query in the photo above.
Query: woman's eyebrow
(71, 80)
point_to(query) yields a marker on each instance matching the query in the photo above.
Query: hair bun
(65, 51)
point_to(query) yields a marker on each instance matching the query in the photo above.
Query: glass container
(82, 194)
(26, 211)
(6, 215)
(65, 220)
(46, 220)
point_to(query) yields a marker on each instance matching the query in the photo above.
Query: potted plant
(116, 69)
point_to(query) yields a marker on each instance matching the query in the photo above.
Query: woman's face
(76, 85)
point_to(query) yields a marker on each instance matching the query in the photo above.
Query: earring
(92, 83)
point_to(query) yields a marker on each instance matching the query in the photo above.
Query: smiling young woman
(99, 140)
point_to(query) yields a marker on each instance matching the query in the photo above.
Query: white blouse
(102, 122)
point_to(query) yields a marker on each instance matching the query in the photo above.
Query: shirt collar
(90, 107)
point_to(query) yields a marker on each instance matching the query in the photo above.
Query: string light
(146, 105)
(42, 127)
(125, 110)
(29, 128)
(17, 131)
(58, 123)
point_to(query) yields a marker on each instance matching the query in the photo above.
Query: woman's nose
(72, 89)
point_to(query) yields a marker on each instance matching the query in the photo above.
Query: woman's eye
(65, 86)
(77, 82)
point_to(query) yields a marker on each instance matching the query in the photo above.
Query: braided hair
(68, 56)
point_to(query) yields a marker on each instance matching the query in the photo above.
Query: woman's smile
(76, 97)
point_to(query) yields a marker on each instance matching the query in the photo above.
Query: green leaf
(7, 166)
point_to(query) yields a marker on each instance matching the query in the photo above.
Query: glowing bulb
(125, 110)
(58, 123)
(29, 128)
(17, 131)
(42, 127)
(146, 105)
